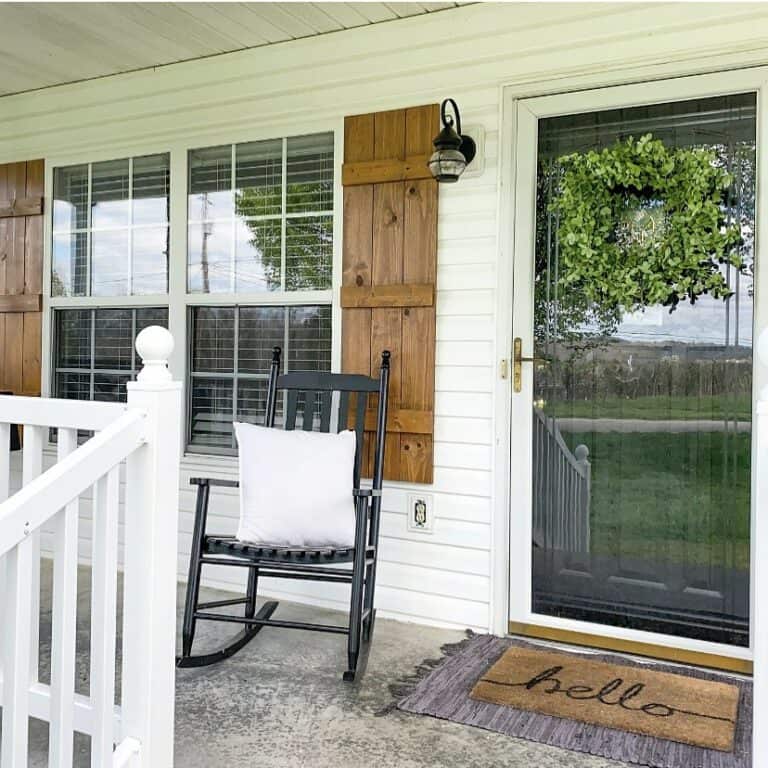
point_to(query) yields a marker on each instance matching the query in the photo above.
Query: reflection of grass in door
(704, 407)
(674, 497)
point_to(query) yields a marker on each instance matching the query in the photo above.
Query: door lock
(517, 363)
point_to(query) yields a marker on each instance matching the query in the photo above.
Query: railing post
(151, 537)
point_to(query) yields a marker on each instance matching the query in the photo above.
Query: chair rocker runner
(333, 392)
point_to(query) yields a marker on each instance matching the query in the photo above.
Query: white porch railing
(145, 434)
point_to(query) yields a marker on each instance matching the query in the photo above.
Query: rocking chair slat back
(309, 411)
(308, 390)
(291, 407)
(326, 404)
(343, 411)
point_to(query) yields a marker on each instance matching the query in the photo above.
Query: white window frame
(177, 299)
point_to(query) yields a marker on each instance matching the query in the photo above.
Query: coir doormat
(662, 704)
(646, 713)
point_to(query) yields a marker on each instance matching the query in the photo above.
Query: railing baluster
(32, 463)
(64, 618)
(103, 615)
(17, 655)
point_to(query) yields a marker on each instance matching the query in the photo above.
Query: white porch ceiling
(45, 44)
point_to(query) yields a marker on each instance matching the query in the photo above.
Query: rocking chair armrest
(214, 481)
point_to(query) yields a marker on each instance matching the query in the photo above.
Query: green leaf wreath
(642, 224)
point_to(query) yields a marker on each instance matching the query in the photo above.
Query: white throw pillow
(296, 487)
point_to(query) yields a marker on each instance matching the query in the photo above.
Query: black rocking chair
(305, 389)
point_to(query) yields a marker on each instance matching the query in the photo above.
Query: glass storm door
(637, 459)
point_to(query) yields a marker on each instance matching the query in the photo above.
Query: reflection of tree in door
(661, 400)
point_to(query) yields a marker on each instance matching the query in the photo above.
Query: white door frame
(518, 176)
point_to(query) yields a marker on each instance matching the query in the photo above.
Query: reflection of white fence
(146, 436)
(561, 489)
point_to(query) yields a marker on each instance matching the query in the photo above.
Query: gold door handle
(517, 363)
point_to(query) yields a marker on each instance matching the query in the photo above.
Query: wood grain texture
(357, 252)
(389, 135)
(403, 420)
(21, 275)
(403, 295)
(5, 229)
(13, 352)
(416, 459)
(388, 202)
(14, 276)
(389, 273)
(31, 353)
(21, 206)
(422, 124)
(23, 302)
(382, 171)
(420, 222)
(386, 333)
(358, 138)
(33, 244)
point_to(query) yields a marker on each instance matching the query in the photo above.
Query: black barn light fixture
(453, 152)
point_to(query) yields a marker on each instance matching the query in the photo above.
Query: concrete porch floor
(281, 703)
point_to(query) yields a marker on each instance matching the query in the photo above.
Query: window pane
(70, 198)
(109, 263)
(309, 253)
(150, 261)
(257, 255)
(210, 184)
(151, 189)
(213, 339)
(261, 328)
(73, 386)
(113, 339)
(259, 178)
(211, 412)
(310, 173)
(70, 265)
(110, 388)
(73, 338)
(309, 338)
(210, 257)
(151, 316)
(109, 194)
(251, 400)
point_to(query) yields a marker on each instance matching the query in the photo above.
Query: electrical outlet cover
(420, 512)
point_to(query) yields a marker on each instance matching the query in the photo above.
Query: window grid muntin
(89, 229)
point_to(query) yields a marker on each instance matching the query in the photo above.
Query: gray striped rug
(440, 688)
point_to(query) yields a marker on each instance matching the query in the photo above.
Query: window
(110, 228)
(94, 355)
(231, 350)
(261, 216)
(260, 220)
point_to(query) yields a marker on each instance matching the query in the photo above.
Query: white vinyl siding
(448, 577)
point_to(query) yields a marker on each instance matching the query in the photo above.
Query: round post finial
(154, 345)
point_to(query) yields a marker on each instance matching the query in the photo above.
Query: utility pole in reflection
(207, 231)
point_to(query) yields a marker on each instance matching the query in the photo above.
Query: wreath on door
(642, 224)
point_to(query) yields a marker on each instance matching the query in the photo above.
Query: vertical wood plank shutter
(389, 273)
(21, 276)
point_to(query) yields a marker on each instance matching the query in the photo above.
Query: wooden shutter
(390, 265)
(21, 276)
